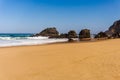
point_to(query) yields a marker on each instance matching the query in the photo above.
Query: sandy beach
(66, 61)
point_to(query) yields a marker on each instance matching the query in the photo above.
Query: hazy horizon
(32, 16)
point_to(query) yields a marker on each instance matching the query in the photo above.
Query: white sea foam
(20, 41)
(18, 38)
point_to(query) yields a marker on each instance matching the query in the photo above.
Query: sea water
(22, 39)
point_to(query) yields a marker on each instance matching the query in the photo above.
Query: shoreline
(55, 43)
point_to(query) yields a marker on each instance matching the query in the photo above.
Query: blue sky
(32, 16)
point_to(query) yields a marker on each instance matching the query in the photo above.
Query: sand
(71, 61)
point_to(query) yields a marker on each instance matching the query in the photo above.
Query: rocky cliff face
(114, 29)
(50, 32)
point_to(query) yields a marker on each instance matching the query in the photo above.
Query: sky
(32, 16)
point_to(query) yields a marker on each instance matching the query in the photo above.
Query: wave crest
(23, 38)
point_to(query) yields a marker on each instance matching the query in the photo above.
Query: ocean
(22, 39)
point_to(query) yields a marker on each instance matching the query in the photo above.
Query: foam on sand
(21, 41)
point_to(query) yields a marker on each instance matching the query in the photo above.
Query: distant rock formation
(114, 30)
(63, 35)
(53, 33)
(72, 34)
(101, 35)
(85, 33)
(50, 32)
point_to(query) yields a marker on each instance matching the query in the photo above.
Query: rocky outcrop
(116, 35)
(101, 35)
(72, 34)
(63, 35)
(114, 30)
(49, 32)
(85, 33)
(53, 33)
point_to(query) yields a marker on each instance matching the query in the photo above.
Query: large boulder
(72, 34)
(85, 33)
(114, 30)
(49, 32)
(101, 35)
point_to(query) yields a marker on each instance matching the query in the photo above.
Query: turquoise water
(16, 34)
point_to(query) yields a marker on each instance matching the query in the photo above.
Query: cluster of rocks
(101, 35)
(112, 32)
(53, 33)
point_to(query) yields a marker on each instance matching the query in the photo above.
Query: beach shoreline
(65, 42)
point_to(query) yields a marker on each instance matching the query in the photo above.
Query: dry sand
(75, 61)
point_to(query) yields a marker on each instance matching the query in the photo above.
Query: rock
(65, 35)
(71, 40)
(114, 30)
(85, 33)
(116, 35)
(101, 35)
(72, 34)
(49, 32)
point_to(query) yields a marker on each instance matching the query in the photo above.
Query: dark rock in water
(71, 40)
(114, 30)
(101, 35)
(85, 33)
(72, 34)
(65, 35)
(49, 32)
